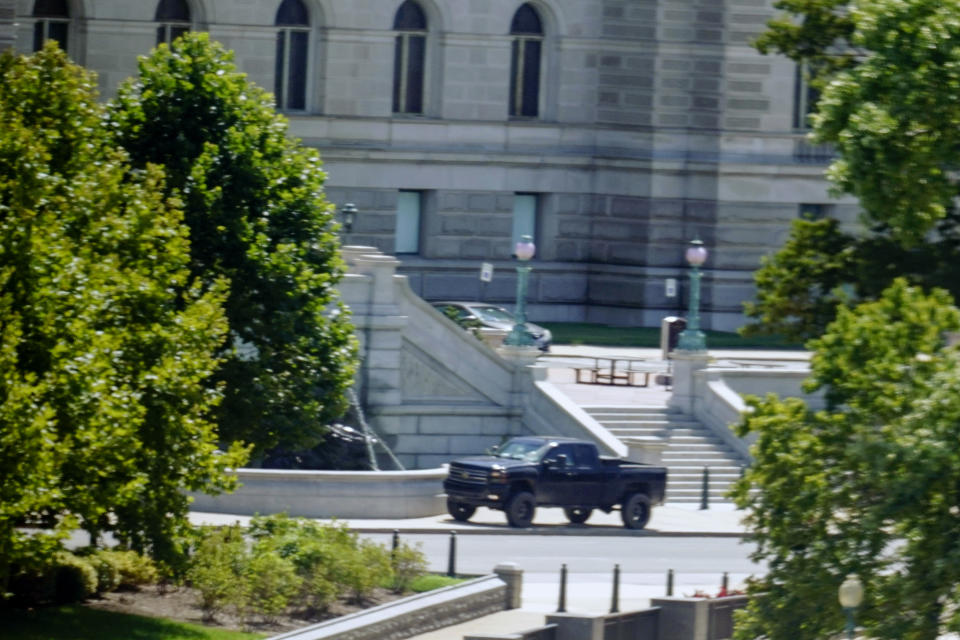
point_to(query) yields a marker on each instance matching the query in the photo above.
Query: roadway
(697, 562)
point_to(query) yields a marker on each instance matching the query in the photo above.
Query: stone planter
(697, 618)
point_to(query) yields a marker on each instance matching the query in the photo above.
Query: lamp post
(519, 336)
(691, 338)
(850, 595)
(348, 213)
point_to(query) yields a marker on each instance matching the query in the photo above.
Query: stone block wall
(658, 123)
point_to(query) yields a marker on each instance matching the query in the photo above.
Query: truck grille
(462, 474)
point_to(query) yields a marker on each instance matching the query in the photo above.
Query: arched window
(409, 57)
(527, 33)
(53, 23)
(293, 38)
(174, 19)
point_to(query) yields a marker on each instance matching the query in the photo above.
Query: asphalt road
(544, 554)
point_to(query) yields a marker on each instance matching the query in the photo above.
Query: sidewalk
(671, 519)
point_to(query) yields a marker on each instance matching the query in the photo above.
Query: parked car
(490, 315)
(524, 473)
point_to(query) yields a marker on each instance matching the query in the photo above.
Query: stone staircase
(690, 448)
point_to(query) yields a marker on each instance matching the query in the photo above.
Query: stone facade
(657, 122)
(7, 25)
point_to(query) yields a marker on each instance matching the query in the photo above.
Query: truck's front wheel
(460, 511)
(520, 509)
(635, 511)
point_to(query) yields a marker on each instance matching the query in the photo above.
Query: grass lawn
(605, 335)
(80, 623)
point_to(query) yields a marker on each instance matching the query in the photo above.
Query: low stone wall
(332, 494)
(414, 615)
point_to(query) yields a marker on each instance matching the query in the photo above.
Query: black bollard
(452, 557)
(725, 585)
(562, 606)
(615, 602)
(396, 540)
(669, 582)
(704, 498)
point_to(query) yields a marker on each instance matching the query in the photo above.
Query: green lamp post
(691, 338)
(519, 336)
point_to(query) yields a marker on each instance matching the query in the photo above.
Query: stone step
(628, 408)
(689, 448)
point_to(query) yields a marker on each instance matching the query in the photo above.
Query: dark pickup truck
(524, 473)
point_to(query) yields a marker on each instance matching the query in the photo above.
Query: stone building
(613, 131)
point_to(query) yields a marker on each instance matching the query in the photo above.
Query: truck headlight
(498, 475)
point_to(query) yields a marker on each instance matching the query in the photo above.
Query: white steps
(690, 448)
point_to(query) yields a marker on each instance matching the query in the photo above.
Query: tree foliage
(254, 203)
(869, 485)
(106, 341)
(799, 287)
(890, 78)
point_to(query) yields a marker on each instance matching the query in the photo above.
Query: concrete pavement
(671, 519)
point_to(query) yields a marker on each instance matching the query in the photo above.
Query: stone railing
(423, 612)
(328, 494)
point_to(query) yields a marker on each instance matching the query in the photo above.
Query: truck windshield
(519, 450)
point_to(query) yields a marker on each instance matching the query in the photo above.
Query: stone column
(524, 360)
(685, 366)
(379, 325)
(512, 575)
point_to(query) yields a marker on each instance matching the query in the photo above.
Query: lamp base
(692, 341)
(519, 337)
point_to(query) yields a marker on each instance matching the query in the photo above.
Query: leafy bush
(291, 560)
(108, 575)
(271, 582)
(74, 579)
(217, 568)
(133, 569)
(367, 567)
(409, 563)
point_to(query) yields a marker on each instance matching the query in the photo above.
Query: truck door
(570, 476)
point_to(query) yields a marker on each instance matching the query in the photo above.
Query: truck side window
(585, 455)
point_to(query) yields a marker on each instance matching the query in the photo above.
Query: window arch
(527, 31)
(409, 68)
(174, 19)
(293, 43)
(52, 22)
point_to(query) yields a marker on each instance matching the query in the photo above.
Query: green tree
(889, 74)
(800, 286)
(254, 203)
(105, 342)
(869, 485)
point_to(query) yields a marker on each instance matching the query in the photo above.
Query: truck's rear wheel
(635, 511)
(577, 515)
(520, 509)
(460, 511)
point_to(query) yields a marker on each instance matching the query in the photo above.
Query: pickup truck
(524, 473)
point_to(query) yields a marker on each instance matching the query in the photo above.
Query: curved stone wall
(331, 494)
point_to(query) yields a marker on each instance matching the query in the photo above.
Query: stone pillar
(379, 325)
(683, 618)
(645, 449)
(525, 371)
(685, 365)
(512, 575)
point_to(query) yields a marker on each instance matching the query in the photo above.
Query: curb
(553, 531)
